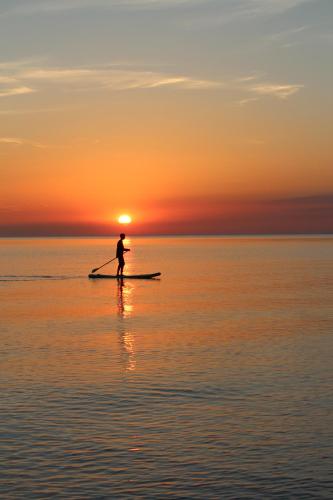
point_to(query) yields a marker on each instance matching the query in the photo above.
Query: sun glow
(124, 219)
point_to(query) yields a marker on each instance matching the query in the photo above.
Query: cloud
(108, 77)
(30, 7)
(116, 79)
(14, 91)
(291, 37)
(28, 111)
(184, 82)
(10, 140)
(272, 7)
(276, 90)
(17, 141)
(243, 102)
(229, 11)
(18, 64)
(310, 201)
(307, 214)
(291, 33)
(248, 78)
(254, 84)
(28, 78)
(10, 84)
(6, 79)
(215, 214)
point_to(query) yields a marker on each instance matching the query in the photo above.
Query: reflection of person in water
(120, 255)
(124, 292)
(121, 307)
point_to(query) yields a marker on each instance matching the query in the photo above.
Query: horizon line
(172, 235)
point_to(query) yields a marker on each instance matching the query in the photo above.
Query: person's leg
(121, 267)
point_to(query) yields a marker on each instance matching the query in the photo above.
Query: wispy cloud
(10, 84)
(28, 79)
(25, 78)
(291, 37)
(6, 79)
(17, 141)
(217, 12)
(255, 84)
(271, 7)
(248, 78)
(14, 91)
(27, 111)
(243, 102)
(276, 90)
(228, 11)
(287, 34)
(30, 7)
(18, 64)
(116, 79)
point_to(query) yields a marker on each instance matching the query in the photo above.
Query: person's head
(122, 236)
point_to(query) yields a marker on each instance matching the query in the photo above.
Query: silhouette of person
(120, 255)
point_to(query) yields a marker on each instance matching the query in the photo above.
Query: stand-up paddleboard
(125, 276)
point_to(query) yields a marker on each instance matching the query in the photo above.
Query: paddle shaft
(108, 262)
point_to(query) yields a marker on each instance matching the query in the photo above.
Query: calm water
(212, 382)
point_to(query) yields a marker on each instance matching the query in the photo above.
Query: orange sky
(229, 135)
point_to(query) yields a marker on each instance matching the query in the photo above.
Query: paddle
(108, 262)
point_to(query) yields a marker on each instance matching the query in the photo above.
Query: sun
(124, 219)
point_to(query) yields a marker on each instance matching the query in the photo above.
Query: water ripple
(12, 278)
(213, 384)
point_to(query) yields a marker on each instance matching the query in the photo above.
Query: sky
(192, 116)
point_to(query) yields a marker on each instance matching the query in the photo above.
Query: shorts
(121, 261)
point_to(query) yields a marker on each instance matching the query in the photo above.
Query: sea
(212, 382)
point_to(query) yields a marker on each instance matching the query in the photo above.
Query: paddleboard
(125, 276)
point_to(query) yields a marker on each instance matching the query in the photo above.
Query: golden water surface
(210, 382)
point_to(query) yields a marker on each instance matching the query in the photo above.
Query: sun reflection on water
(128, 344)
(125, 310)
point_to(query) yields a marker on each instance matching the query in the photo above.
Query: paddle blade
(108, 262)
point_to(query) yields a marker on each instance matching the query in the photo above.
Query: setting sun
(124, 219)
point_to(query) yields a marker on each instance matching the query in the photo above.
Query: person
(120, 254)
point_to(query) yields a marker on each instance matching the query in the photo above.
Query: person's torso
(120, 248)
